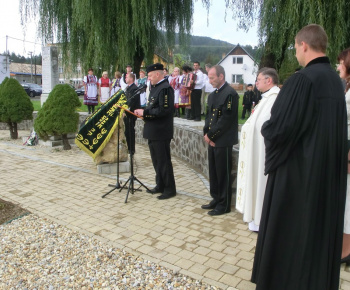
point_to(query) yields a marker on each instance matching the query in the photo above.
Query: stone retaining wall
(189, 146)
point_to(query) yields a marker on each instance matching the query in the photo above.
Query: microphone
(141, 88)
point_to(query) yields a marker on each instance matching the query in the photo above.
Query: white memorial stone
(4, 67)
(50, 73)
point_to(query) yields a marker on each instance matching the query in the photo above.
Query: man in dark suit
(221, 133)
(158, 129)
(133, 102)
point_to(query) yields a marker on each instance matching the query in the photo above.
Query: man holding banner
(158, 129)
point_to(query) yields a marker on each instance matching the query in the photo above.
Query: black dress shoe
(165, 196)
(154, 190)
(208, 206)
(217, 212)
(345, 260)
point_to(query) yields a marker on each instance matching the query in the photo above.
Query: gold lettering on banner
(102, 121)
(103, 131)
(86, 142)
(99, 136)
(91, 147)
(91, 131)
(111, 111)
(95, 141)
(80, 137)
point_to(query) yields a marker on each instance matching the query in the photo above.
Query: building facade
(239, 65)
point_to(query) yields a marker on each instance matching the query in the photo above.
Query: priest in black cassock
(300, 237)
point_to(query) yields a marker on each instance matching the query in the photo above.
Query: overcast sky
(10, 23)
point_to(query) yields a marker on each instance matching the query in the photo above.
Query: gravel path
(38, 254)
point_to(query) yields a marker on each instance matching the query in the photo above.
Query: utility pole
(31, 66)
(35, 69)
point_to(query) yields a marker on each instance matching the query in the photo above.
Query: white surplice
(251, 181)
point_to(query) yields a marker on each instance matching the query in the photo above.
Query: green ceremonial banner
(99, 127)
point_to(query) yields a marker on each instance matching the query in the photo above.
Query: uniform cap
(153, 67)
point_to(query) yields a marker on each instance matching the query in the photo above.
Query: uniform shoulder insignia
(166, 101)
(229, 102)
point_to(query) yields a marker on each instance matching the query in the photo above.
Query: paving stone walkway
(64, 187)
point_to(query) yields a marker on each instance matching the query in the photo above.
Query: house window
(237, 79)
(237, 60)
(60, 70)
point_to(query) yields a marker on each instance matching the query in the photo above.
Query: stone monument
(50, 75)
(4, 67)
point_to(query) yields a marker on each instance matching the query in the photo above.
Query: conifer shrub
(58, 116)
(15, 105)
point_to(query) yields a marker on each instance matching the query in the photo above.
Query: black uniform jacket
(221, 122)
(158, 114)
(132, 101)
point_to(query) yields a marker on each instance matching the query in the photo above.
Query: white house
(239, 66)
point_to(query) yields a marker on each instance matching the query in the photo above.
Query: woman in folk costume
(116, 83)
(140, 82)
(344, 73)
(105, 87)
(175, 84)
(185, 93)
(251, 181)
(91, 95)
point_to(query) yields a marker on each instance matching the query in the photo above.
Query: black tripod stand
(131, 146)
(131, 137)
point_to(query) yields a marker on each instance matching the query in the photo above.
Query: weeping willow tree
(280, 20)
(109, 34)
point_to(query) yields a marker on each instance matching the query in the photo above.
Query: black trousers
(196, 104)
(220, 164)
(129, 131)
(91, 109)
(161, 159)
(247, 109)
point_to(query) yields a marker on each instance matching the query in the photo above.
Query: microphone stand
(118, 184)
(131, 180)
(132, 177)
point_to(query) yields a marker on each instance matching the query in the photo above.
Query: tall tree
(280, 20)
(109, 34)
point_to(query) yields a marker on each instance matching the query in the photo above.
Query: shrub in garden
(58, 116)
(15, 105)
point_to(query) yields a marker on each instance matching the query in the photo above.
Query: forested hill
(208, 50)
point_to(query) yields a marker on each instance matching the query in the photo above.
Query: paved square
(64, 187)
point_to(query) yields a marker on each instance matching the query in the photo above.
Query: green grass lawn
(83, 108)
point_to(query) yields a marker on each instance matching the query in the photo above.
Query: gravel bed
(38, 254)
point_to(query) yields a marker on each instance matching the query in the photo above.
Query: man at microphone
(133, 100)
(158, 129)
